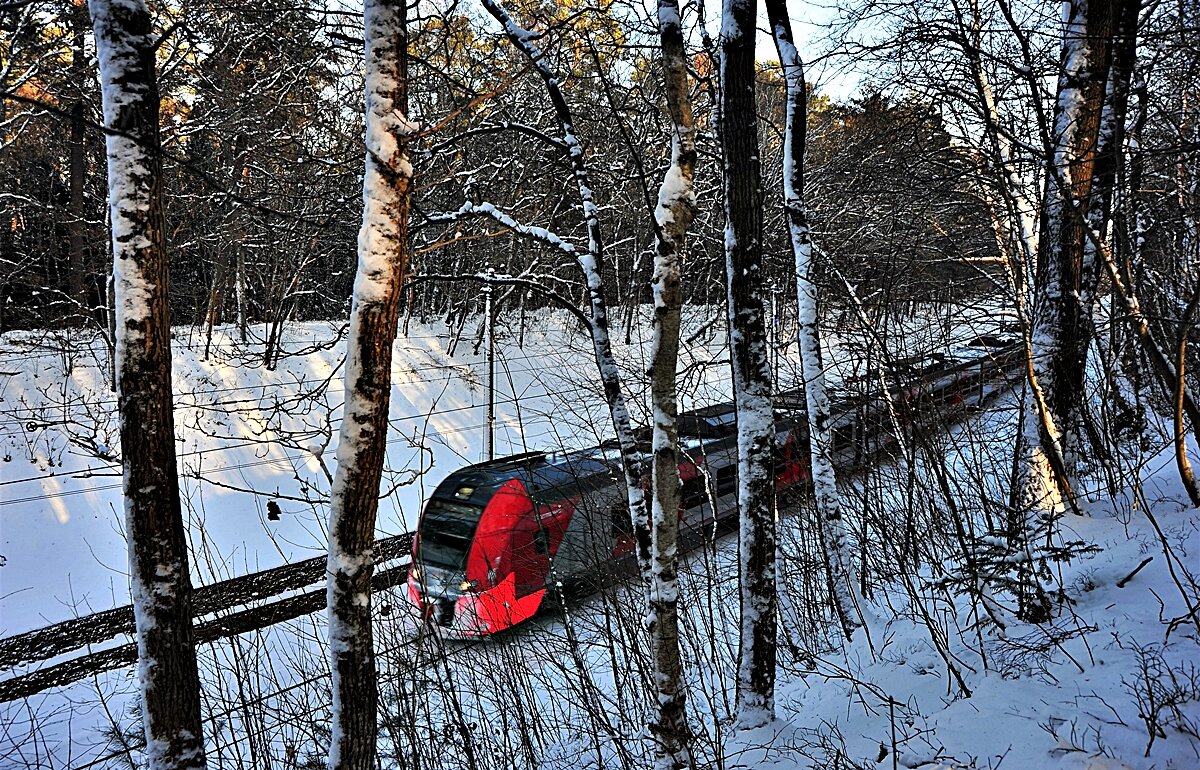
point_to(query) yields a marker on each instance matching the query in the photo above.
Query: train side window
(727, 479)
(693, 492)
(621, 523)
(843, 437)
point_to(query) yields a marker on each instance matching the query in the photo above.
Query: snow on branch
(524, 40)
(470, 209)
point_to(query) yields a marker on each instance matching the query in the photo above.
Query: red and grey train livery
(494, 537)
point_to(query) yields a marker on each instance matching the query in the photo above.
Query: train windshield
(447, 530)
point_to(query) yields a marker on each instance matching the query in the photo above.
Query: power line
(246, 443)
(269, 461)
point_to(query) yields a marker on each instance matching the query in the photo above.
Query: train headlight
(415, 574)
(468, 585)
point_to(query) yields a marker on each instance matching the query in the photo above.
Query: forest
(596, 383)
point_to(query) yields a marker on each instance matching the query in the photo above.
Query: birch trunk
(591, 262)
(1020, 237)
(751, 365)
(160, 582)
(676, 207)
(843, 579)
(362, 445)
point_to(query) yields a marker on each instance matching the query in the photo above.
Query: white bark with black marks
(590, 261)
(673, 214)
(843, 578)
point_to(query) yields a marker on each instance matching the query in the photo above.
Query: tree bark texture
(591, 261)
(1110, 140)
(750, 364)
(842, 578)
(160, 582)
(1016, 227)
(77, 264)
(1065, 280)
(674, 213)
(362, 445)
(1181, 457)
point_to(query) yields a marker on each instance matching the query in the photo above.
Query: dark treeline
(261, 136)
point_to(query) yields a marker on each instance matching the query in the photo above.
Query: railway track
(221, 599)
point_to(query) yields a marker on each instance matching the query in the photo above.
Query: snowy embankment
(1112, 683)
(568, 690)
(248, 437)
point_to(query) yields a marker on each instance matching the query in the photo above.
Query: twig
(1121, 583)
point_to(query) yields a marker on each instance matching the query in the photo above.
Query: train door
(531, 555)
(537, 540)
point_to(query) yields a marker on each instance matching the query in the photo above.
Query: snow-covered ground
(1063, 696)
(247, 435)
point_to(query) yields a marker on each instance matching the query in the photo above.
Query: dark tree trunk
(77, 266)
(160, 581)
(362, 446)
(1066, 273)
(751, 365)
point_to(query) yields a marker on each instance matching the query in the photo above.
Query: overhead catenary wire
(93, 470)
(10, 414)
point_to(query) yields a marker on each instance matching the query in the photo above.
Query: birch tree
(160, 583)
(750, 363)
(354, 498)
(842, 577)
(591, 261)
(676, 207)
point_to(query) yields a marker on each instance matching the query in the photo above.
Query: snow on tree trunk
(676, 207)
(160, 583)
(842, 575)
(354, 498)
(1109, 141)
(591, 261)
(76, 227)
(1020, 235)
(1062, 314)
(751, 365)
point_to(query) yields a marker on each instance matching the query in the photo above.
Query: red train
(495, 535)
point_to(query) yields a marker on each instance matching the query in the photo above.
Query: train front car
(493, 536)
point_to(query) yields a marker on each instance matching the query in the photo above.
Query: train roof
(476, 483)
(711, 421)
